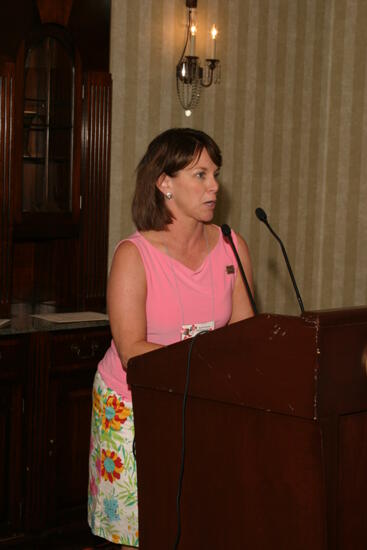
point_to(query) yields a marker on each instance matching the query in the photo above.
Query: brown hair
(168, 153)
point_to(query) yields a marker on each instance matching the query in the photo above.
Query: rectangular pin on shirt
(229, 269)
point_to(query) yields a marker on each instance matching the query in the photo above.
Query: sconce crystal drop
(190, 76)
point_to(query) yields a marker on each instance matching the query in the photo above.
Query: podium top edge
(356, 314)
(322, 317)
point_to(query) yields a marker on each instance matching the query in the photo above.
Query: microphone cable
(183, 438)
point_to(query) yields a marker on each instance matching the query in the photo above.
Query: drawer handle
(94, 347)
(364, 360)
(51, 442)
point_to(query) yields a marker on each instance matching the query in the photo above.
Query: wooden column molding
(96, 146)
(7, 72)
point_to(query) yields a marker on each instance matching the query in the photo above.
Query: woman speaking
(174, 277)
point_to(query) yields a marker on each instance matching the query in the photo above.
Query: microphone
(261, 215)
(226, 230)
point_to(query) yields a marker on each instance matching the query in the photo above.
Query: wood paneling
(95, 186)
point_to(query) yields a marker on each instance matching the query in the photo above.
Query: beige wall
(290, 116)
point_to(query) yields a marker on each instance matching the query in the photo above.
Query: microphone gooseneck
(226, 231)
(261, 215)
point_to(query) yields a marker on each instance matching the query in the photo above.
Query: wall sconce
(190, 76)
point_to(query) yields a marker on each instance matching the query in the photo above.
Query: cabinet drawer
(79, 347)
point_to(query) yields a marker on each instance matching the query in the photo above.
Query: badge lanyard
(187, 331)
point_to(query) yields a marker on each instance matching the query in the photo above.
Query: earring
(169, 195)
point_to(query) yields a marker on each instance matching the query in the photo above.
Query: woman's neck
(189, 245)
(185, 235)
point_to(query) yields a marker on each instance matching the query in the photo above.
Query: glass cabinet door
(47, 178)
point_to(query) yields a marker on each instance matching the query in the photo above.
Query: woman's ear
(164, 183)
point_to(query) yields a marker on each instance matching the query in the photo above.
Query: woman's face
(194, 189)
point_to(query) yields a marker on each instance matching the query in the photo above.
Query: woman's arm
(241, 305)
(126, 300)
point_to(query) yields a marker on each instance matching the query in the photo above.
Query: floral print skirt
(112, 499)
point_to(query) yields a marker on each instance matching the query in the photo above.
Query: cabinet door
(74, 359)
(48, 128)
(48, 138)
(12, 368)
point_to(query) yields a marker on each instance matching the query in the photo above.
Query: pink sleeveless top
(177, 295)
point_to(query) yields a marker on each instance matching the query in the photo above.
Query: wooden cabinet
(55, 126)
(72, 368)
(46, 383)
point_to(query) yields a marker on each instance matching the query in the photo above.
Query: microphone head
(226, 230)
(261, 214)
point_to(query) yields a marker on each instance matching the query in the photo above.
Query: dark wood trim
(7, 102)
(57, 11)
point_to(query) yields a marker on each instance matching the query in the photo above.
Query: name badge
(188, 331)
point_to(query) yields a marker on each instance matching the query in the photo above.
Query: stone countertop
(24, 323)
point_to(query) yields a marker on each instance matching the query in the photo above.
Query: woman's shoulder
(133, 241)
(138, 247)
(127, 249)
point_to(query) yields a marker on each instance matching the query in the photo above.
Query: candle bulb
(193, 31)
(214, 32)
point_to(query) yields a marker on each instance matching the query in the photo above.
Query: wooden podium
(276, 436)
